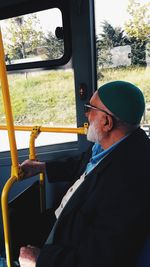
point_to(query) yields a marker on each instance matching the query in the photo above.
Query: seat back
(144, 257)
(23, 213)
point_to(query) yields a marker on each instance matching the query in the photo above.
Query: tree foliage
(138, 30)
(138, 26)
(22, 35)
(136, 34)
(23, 38)
(54, 47)
(109, 38)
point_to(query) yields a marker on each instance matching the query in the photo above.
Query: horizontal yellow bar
(80, 130)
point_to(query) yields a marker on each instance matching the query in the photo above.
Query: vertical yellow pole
(8, 110)
(6, 225)
(42, 192)
(13, 149)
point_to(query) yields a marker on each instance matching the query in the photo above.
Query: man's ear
(108, 123)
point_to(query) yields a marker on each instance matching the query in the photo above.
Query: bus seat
(144, 257)
(27, 224)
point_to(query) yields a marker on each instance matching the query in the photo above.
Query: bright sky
(50, 19)
(114, 11)
(104, 10)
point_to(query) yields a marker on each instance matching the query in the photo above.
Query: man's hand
(28, 256)
(32, 167)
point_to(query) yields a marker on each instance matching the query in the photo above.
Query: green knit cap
(124, 100)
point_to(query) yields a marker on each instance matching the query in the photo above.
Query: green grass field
(138, 76)
(48, 98)
(42, 98)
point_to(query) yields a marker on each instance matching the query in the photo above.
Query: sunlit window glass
(33, 37)
(42, 98)
(123, 44)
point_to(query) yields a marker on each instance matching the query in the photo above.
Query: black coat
(108, 217)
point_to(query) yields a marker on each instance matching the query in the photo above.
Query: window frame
(27, 8)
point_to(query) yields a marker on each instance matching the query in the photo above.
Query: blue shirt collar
(98, 153)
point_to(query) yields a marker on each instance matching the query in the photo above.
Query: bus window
(42, 92)
(123, 42)
(43, 98)
(32, 37)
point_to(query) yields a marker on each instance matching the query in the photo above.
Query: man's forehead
(95, 99)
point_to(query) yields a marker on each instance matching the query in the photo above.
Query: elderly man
(104, 217)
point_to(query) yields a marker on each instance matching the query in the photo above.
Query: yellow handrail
(32, 156)
(15, 172)
(34, 134)
(6, 225)
(8, 111)
(79, 130)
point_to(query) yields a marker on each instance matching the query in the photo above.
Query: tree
(54, 47)
(112, 36)
(138, 30)
(109, 38)
(104, 56)
(22, 35)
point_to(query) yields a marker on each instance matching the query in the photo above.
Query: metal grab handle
(79, 130)
(32, 156)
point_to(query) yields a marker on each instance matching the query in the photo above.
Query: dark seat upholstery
(27, 224)
(144, 257)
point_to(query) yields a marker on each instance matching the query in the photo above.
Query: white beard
(93, 133)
